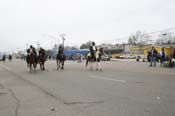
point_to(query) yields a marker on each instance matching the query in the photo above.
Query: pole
(63, 39)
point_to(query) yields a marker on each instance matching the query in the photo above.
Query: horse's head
(100, 50)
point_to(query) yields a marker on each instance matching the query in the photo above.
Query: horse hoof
(96, 68)
(100, 69)
(62, 68)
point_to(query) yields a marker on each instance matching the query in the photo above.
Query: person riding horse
(42, 52)
(60, 50)
(42, 58)
(30, 51)
(60, 57)
(93, 50)
(94, 56)
(31, 58)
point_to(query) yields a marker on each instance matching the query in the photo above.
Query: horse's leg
(58, 64)
(97, 65)
(40, 65)
(62, 64)
(91, 65)
(87, 60)
(34, 66)
(30, 67)
(43, 66)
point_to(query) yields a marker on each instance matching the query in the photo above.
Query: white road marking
(109, 79)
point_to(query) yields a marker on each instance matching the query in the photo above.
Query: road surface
(122, 88)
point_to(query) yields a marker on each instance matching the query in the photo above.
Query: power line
(172, 28)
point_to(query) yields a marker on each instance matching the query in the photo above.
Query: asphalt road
(122, 88)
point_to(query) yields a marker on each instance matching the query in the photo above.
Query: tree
(86, 45)
(132, 40)
(139, 38)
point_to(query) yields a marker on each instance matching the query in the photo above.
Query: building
(116, 50)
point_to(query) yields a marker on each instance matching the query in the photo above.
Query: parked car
(105, 57)
(127, 56)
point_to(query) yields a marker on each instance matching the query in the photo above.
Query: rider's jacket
(31, 51)
(60, 50)
(41, 52)
(93, 49)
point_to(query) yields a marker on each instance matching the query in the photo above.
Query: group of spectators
(4, 58)
(165, 60)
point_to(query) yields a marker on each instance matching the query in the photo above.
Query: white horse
(96, 59)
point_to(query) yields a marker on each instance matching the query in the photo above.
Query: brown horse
(42, 59)
(32, 62)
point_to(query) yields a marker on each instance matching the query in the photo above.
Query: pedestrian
(153, 56)
(10, 58)
(3, 58)
(149, 56)
(162, 57)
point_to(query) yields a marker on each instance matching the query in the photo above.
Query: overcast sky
(28, 21)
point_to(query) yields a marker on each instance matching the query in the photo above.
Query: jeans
(153, 59)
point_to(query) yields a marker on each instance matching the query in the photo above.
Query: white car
(105, 58)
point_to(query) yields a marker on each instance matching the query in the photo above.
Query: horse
(96, 59)
(42, 59)
(60, 59)
(32, 61)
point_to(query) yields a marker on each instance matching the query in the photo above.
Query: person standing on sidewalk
(162, 57)
(3, 58)
(153, 56)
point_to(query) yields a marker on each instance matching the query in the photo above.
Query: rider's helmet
(31, 46)
(93, 43)
(61, 45)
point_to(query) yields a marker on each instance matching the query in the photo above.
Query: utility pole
(38, 46)
(27, 45)
(63, 38)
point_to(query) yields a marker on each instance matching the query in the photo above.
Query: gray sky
(29, 21)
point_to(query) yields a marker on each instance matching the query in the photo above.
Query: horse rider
(60, 49)
(3, 58)
(42, 52)
(93, 49)
(31, 50)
